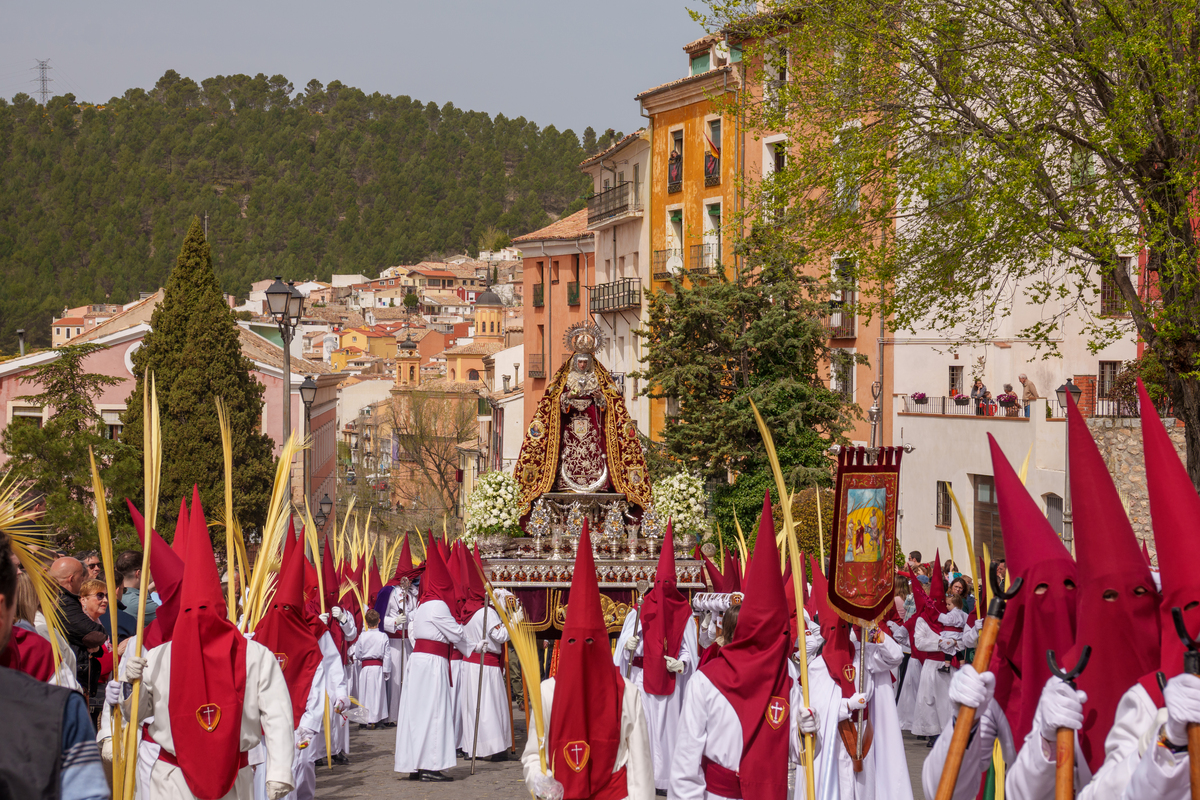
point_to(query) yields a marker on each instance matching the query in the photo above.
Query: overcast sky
(560, 62)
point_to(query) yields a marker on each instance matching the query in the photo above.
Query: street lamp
(308, 393)
(286, 306)
(1074, 391)
(326, 505)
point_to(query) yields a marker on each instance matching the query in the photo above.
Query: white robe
(933, 707)
(495, 734)
(372, 680)
(633, 751)
(662, 711)
(339, 737)
(425, 726)
(990, 726)
(885, 770)
(709, 727)
(266, 717)
(906, 706)
(1134, 733)
(399, 649)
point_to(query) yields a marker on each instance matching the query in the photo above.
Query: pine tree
(194, 353)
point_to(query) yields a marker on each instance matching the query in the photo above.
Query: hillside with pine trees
(94, 199)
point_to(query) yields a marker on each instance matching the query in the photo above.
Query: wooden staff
(1064, 745)
(643, 586)
(1191, 666)
(966, 715)
(512, 725)
(479, 691)
(106, 554)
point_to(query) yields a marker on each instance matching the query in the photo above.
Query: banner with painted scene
(862, 557)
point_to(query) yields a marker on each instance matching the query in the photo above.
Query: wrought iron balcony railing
(661, 257)
(620, 199)
(617, 295)
(704, 258)
(537, 365)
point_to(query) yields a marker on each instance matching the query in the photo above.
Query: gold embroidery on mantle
(614, 613)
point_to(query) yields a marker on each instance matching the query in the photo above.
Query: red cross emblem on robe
(576, 754)
(209, 716)
(777, 712)
(282, 659)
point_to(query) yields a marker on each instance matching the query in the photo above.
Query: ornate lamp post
(286, 305)
(308, 393)
(1068, 527)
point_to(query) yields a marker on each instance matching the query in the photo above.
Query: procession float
(581, 460)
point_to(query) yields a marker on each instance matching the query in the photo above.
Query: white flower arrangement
(493, 506)
(680, 498)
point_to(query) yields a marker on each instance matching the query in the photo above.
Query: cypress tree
(194, 353)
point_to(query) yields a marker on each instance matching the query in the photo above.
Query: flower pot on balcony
(1008, 403)
(961, 400)
(920, 400)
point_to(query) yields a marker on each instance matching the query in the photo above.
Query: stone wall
(1120, 443)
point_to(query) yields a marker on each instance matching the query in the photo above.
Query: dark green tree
(713, 344)
(53, 459)
(195, 355)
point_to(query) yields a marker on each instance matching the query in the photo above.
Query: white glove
(969, 688)
(339, 704)
(674, 665)
(1183, 706)
(855, 702)
(706, 620)
(544, 787)
(1060, 706)
(277, 790)
(400, 620)
(133, 668)
(112, 693)
(809, 722)
(324, 618)
(106, 751)
(517, 617)
(632, 644)
(948, 646)
(338, 614)
(304, 737)
(481, 647)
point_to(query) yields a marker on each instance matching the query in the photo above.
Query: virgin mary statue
(582, 438)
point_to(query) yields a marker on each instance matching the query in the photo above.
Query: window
(841, 374)
(1108, 376)
(701, 63)
(1054, 513)
(473, 375)
(943, 504)
(27, 415)
(848, 185)
(637, 182)
(712, 154)
(1083, 168)
(672, 406)
(1112, 302)
(956, 381)
(987, 516)
(58, 331)
(675, 163)
(776, 73)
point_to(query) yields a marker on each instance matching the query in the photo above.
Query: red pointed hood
(166, 567)
(1174, 509)
(179, 543)
(1116, 591)
(1042, 615)
(329, 576)
(404, 567)
(665, 615)
(751, 671)
(285, 631)
(937, 585)
(208, 672)
(474, 590)
(374, 581)
(437, 584)
(585, 728)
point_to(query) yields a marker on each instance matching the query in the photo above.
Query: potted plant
(919, 398)
(961, 399)
(1006, 399)
(681, 498)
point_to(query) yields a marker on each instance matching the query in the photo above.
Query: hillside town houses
(481, 338)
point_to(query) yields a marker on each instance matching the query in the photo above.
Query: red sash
(636, 661)
(455, 655)
(169, 758)
(615, 789)
(435, 648)
(399, 635)
(721, 780)
(489, 659)
(372, 662)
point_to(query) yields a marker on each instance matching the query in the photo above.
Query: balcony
(661, 257)
(712, 170)
(613, 204)
(703, 258)
(675, 173)
(539, 295)
(573, 293)
(841, 323)
(537, 365)
(618, 295)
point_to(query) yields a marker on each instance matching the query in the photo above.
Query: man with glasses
(91, 562)
(83, 634)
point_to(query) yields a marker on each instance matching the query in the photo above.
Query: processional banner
(862, 559)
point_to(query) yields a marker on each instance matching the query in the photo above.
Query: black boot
(501, 756)
(435, 776)
(341, 759)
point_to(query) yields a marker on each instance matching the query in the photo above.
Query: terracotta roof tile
(572, 227)
(682, 81)
(474, 349)
(624, 140)
(259, 349)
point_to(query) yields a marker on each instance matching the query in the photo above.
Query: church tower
(489, 317)
(408, 363)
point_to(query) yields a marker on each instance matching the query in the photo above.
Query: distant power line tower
(43, 80)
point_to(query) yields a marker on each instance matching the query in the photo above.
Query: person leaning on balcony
(1029, 394)
(987, 405)
(977, 393)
